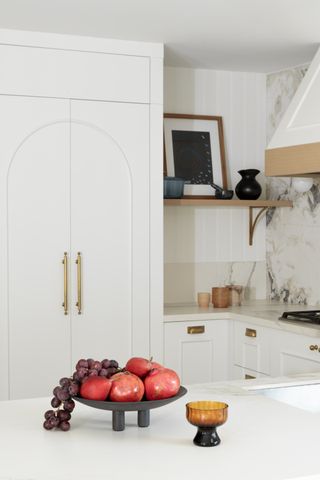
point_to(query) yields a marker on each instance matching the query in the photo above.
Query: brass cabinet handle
(248, 377)
(250, 332)
(313, 347)
(196, 329)
(79, 282)
(65, 282)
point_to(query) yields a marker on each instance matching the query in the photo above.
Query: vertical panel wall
(209, 246)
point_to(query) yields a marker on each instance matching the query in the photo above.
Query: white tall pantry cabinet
(81, 205)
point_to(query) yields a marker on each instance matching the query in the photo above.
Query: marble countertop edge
(258, 312)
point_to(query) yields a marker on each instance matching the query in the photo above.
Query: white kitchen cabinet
(60, 202)
(260, 351)
(294, 353)
(236, 349)
(198, 351)
(251, 348)
(75, 184)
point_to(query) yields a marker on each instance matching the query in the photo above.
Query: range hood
(294, 149)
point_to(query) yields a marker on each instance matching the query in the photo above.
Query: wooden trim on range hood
(293, 161)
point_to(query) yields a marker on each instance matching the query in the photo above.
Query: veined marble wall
(184, 280)
(292, 237)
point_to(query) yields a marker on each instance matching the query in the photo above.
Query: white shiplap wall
(200, 235)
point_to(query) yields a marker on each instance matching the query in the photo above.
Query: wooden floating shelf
(263, 205)
(203, 202)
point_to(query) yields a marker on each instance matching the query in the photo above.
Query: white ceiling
(247, 35)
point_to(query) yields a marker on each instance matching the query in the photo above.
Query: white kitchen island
(263, 439)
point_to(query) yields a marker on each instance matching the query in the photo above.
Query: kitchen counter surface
(260, 312)
(262, 439)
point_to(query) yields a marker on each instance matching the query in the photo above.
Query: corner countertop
(260, 312)
(263, 439)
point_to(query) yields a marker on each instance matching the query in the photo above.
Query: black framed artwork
(194, 151)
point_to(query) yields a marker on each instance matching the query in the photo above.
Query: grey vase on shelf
(248, 188)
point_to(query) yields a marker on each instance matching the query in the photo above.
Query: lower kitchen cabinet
(217, 350)
(294, 353)
(251, 350)
(198, 351)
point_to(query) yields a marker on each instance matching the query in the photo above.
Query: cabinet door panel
(196, 361)
(292, 354)
(110, 222)
(198, 357)
(73, 74)
(38, 234)
(292, 364)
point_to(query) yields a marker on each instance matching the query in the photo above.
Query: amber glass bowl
(206, 415)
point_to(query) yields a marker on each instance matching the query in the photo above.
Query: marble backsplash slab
(182, 281)
(292, 236)
(293, 250)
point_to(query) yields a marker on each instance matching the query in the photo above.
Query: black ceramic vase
(248, 188)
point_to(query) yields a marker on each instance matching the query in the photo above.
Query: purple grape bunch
(62, 400)
(90, 368)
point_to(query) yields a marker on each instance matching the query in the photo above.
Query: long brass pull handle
(65, 282)
(79, 282)
(196, 329)
(250, 332)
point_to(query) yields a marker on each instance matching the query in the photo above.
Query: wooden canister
(220, 297)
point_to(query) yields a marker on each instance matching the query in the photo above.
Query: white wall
(198, 238)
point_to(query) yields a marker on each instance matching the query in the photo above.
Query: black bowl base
(119, 408)
(206, 437)
(118, 419)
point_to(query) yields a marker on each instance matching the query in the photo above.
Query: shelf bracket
(253, 222)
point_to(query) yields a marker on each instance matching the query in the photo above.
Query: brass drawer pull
(250, 332)
(314, 347)
(248, 377)
(196, 329)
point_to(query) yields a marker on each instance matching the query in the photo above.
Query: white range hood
(294, 149)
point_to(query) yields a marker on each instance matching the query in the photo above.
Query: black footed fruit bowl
(119, 408)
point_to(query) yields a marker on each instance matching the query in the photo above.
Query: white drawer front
(73, 74)
(251, 347)
(294, 353)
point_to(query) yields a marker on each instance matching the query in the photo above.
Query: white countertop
(260, 312)
(262, 439)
